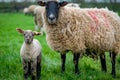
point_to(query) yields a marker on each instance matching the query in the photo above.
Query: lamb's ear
(62, 4)
(20, 30)
(35, 33)
(41, 3)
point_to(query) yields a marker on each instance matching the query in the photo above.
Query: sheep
(74, 29)
(38, 18)
(30, 54)
(73, 5)
(25, 11)
(30, 9)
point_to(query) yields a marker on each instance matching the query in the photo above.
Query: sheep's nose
(51, 17)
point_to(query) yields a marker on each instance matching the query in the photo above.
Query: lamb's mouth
(28, 42)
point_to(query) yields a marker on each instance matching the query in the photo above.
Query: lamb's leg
(29, 68)
(33, 69)
(63, 58)
(76, 61)
(25, 68)
(103, 63)
(38, 66)
(113, 57)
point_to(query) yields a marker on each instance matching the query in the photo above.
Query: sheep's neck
(28, 47)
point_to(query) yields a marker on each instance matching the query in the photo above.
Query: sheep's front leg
(103, 63)
(33, 69)
(38, 66)
(113, 57)
(63, 58)
(25, 68)
(76, 61)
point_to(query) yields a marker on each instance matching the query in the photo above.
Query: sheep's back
(77, 29)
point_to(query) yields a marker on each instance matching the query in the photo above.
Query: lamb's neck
(28, 46)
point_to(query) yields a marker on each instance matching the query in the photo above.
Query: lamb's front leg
(33, 69)
(25, 69)
(76, 61)
(38, 66)
(63, 58)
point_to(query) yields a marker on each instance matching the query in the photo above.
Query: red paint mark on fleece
(95, 19)
(105, 19)
(93, 14)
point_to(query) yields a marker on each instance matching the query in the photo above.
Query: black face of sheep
(52, 9)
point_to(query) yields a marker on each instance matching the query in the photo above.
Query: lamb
(29, 10)
(30, 54)
(74, 29)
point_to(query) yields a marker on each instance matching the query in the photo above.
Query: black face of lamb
(52, 10)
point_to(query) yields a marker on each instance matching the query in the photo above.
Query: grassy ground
(10, 63)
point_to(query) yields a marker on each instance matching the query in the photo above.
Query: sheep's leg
(33, 69)
(113, 57)
(38, 67)
(63, 58)
(103, 63)
(76, 60)
(25, 68)
(36, 24)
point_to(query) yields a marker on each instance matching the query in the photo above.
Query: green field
(10, 62)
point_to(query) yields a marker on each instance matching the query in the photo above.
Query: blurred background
(18, 5)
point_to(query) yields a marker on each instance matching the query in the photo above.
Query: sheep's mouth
(28, 42)
(52, 21)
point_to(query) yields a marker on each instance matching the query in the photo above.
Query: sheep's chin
(51, 21)
(28, 42)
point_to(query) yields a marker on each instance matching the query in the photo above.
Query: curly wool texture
(73, 5)
(80, 29)
(30, 9)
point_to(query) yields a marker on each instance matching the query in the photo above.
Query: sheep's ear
(37, 33)
(41, 3)
(20, 30)
(62, 4)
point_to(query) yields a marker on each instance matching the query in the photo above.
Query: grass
(10, 62)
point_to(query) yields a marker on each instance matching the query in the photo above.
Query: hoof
(113, 75)
(77, 72)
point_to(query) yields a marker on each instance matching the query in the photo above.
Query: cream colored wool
(30, 52)
(73, 5)
(38, 15)
(38, 18)
(80, 29)
(25, 10)
(30, 9)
